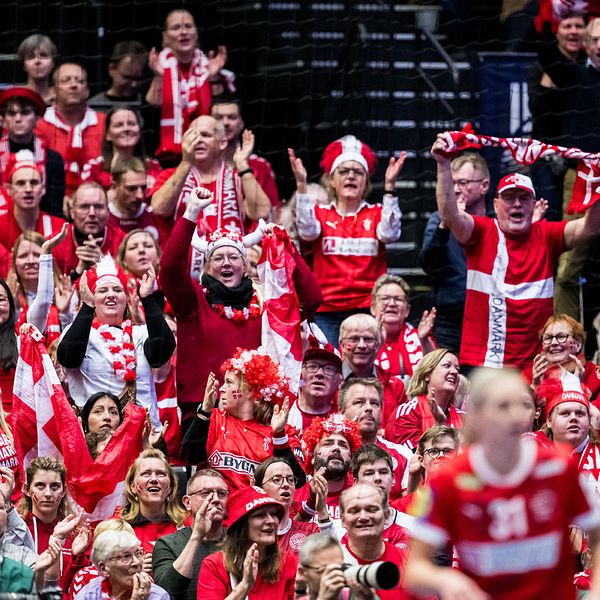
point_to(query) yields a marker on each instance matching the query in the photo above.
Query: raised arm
(309, 228)
(389, 228)
(583, 229)
(460, 223)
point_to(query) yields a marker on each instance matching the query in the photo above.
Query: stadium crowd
(208, 393)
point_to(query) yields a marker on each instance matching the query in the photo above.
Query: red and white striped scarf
(8, 158)
(527, 151)
(182, 99)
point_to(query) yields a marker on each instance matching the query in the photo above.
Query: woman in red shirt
(251, 565)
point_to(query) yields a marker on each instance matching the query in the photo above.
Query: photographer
(320, 565)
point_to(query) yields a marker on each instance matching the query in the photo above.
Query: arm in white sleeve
(389, 227)
(38, 311)
(309, 228)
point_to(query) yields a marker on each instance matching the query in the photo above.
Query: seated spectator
(360, 400)
(21, 110)
(250, 424)
(122, 141)
(119, 558)
(90, 234)
(349, 235)
(373, 465)
(276, 478)
(360, 340)
(9, 351)
(403, 345)
(328, 446)
(125, 69)
(151, 505)
(69, 126)
(128, 208)
(38, 54)
(563, 340)
(26, 188)
(87, 346)
(362, 509)
(177, 558)
(202, 164)
(250, 565)
(225, 308)
(431, 392)
(181, 83)
(321, 378)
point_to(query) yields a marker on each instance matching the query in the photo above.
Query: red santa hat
(345, 149)
(246, 499)
(320, 428)
(106, 271)
(516, 181)
(559, 386)
(325, 351)
(22, 159)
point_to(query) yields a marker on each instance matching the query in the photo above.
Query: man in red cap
(21, 108)
(510, 266)
(69, 126)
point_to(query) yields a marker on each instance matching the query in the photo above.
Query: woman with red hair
(250, 424)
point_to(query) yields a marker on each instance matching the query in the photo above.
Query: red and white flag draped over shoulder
(281, 314)
(586, 190)
(41, 410)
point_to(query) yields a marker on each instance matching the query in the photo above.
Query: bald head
(207, 135)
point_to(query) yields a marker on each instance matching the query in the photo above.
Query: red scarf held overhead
(527, 151)
(183, 99)
(8, 158)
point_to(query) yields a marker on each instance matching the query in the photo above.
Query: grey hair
(315, 543)
(361, 320)
(110, 542)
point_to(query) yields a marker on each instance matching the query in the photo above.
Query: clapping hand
(280, 418)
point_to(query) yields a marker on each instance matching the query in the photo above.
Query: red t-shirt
(143, 219)
(512, 531)
(333, 500)
(293, 537)
(214, 582)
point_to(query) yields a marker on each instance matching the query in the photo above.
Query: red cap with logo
(246, 499)
(560, 386)
(516, 181)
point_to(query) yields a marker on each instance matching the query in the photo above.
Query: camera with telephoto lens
(380, 575)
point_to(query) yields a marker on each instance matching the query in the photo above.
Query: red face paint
(236, 394)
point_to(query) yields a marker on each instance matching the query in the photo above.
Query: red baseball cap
(27, 94)
(317, 349)
(244, 500)
(516, 181)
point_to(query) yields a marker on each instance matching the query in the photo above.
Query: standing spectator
(21, 109)
(9, 351)
(122, 141)
(442, 257)
(505, 550)
(177, 558)
(90, 234)
(181, 84)
(431, 394)
(348, 235)
(403, 345)
(125, 69)
(250, 565)
(510, 266)
(38, 54)
(69, 126)
(138, 251)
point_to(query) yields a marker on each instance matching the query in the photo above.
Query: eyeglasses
(435, 452)
(313, 367)
(353, 340)
(232, 258)
(127, 557)
(463, 183)
(279, 479)
(345, 171)
(561, 338)
(523, 198)
(221, 494)
(392, 299)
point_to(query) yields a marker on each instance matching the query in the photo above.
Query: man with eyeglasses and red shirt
(510, 266)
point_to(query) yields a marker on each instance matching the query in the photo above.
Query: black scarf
(237, 297)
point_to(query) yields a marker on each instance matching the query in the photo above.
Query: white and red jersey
(413, 418)
(77, 145)
(401, 457)
(393, 533)
(511, 532)
(333, 501)
(169, 412)
(399, 357)
(142, 219)
(301, 420)
(236, 447)
(292, 537)
(510, 288)
(588, 462)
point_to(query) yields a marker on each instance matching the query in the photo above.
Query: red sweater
(206, 339)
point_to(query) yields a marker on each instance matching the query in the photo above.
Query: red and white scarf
(527, 151)
(122, 350)
(182, 99)
(8, 158)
